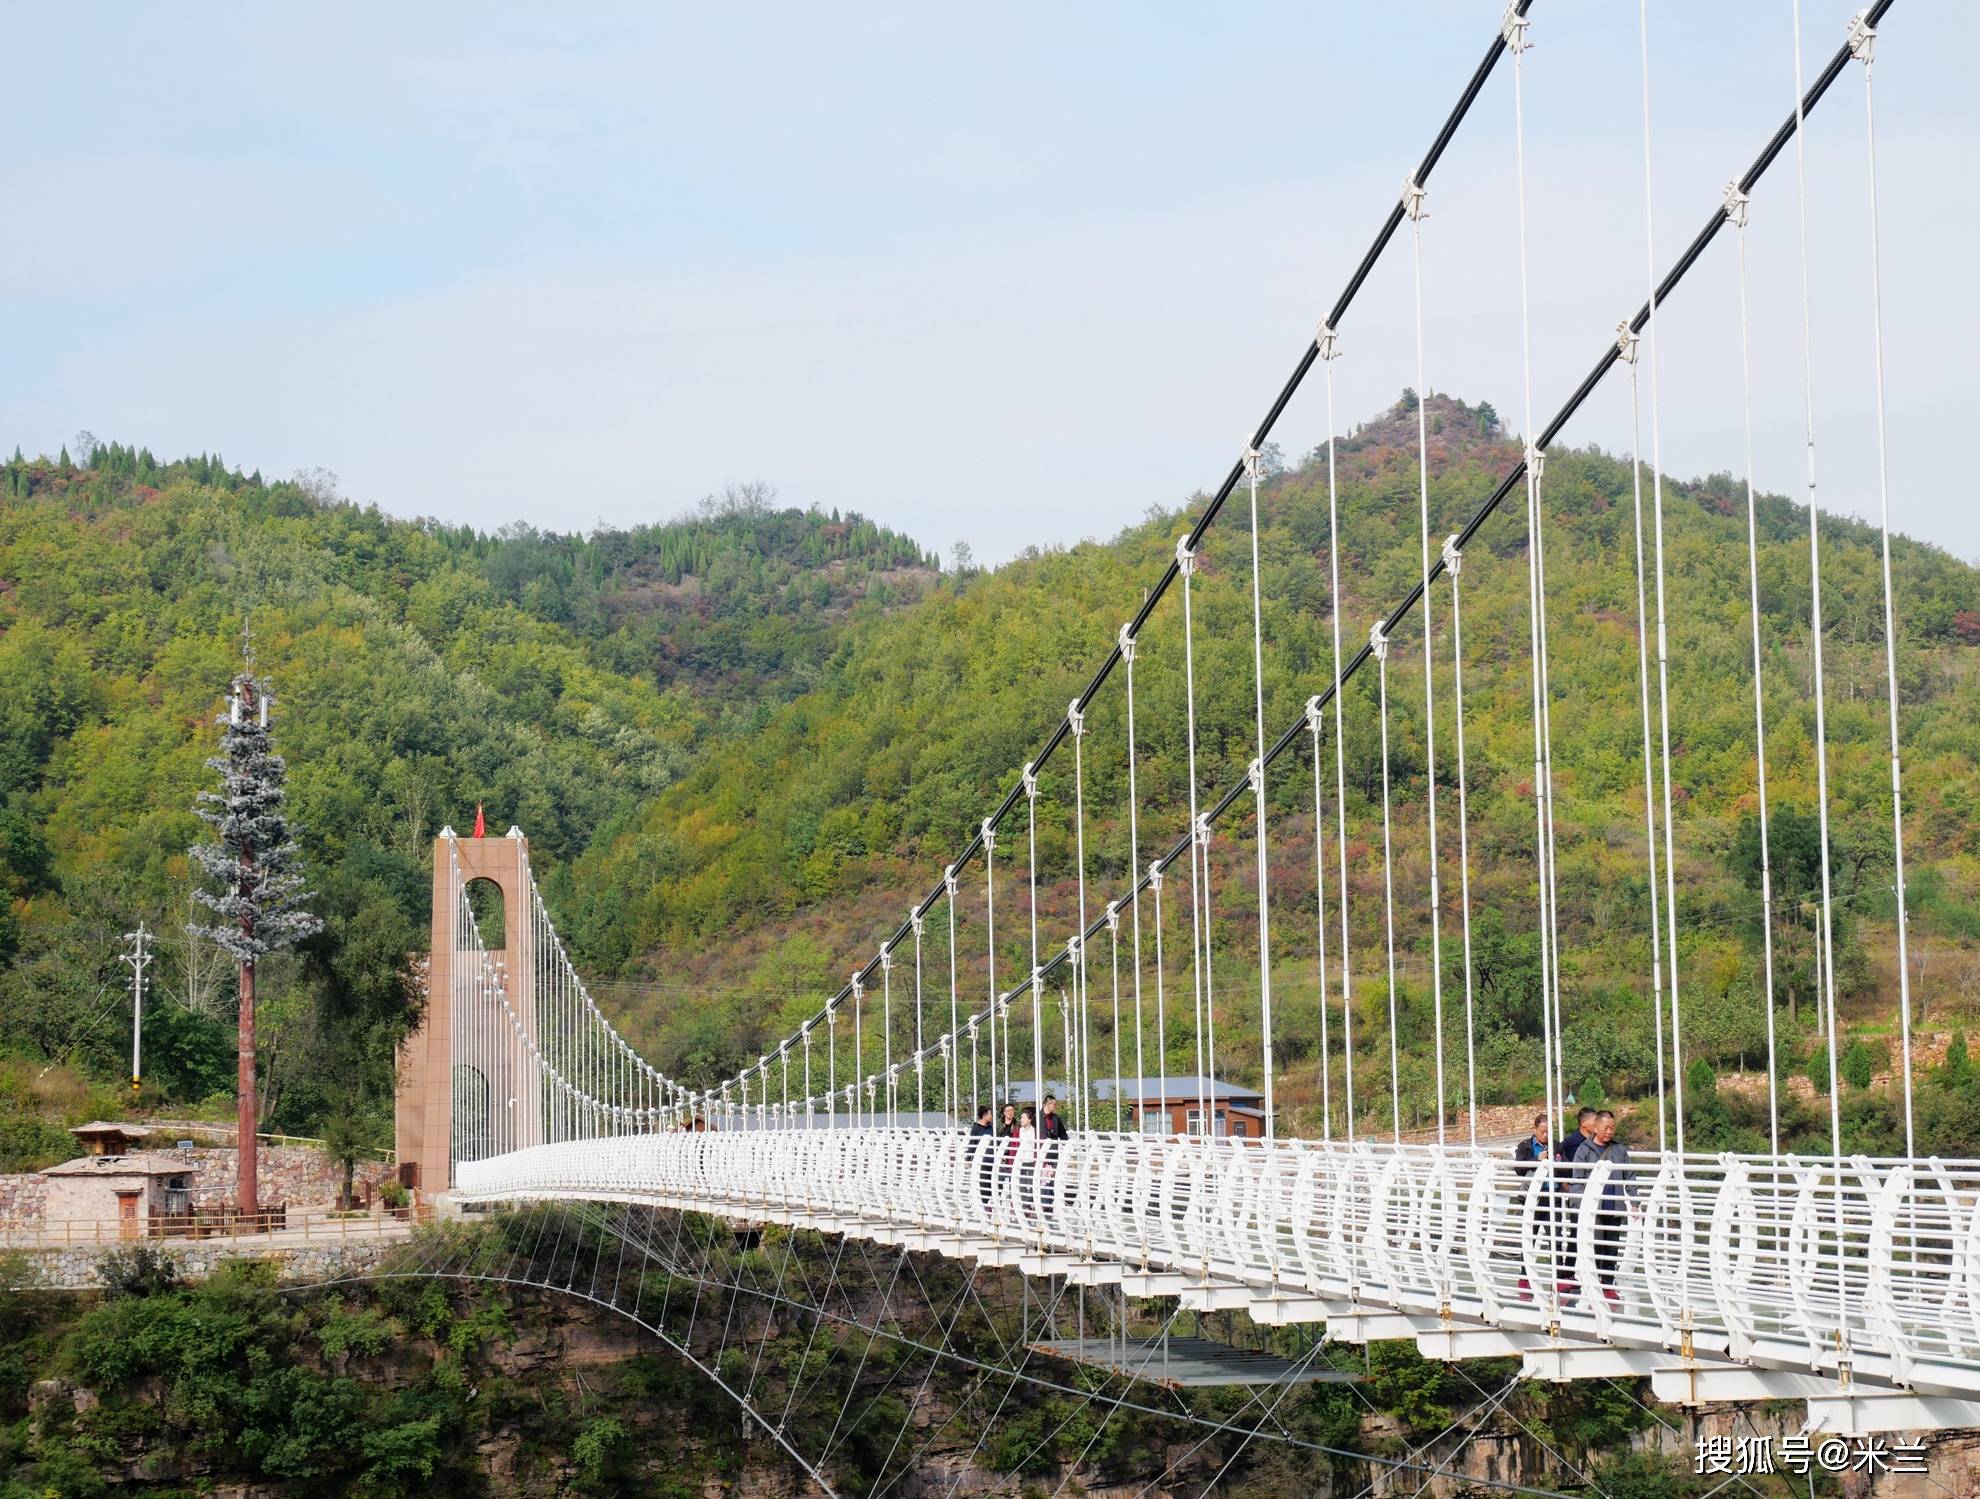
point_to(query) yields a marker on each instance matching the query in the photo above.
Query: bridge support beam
(1453, 1343)
(1862, 1413)
(1214, 1296)
(1707, 1382)
(1291, 1310)
(1363, 1324)
(1095, 1273)
(1563, 1363)
(1154, 1283)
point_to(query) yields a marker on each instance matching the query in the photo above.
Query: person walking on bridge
(983, 1150)
(1619, 1194)
(1052, 1131)
(1566, 1193)
(1527, 1156)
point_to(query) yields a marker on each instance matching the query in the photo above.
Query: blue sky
(1003, 274)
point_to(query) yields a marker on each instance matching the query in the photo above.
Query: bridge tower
(424, 1140)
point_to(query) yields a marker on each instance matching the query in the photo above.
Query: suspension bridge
(1849, 1283)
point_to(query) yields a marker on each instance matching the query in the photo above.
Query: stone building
(142, 1193)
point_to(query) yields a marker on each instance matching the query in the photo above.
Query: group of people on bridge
(1017, 1156)
(1569, 1162)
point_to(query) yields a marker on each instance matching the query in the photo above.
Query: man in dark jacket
(986, 1155)
(1533, 1148)
(1567, 1195)
(1053, 1127)
(1052, 1130)
(1619, 1194)
(1572, 1141)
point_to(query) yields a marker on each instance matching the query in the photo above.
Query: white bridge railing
(1870, 1272)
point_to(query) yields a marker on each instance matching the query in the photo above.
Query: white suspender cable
(1314, 723)
(1161, 1012)
(990, 921)
(920, 1046)
(1114, 956)
(1186, 565)
(955, 1056)
(1083, 1083)
(1663, 636)
(1128, 647)
(1513, 28)
(1379, 644)
(859, 1055)
(1453, 561)
(1828, 954)
(831, 1059)
(1862, 45)
(1252, 461)
(1328, 342)
(887, 1027)
(1628, 346)
(1413, 197)
(1037, 979)
(1736, 211)
(1209, 986)
(1536, 462)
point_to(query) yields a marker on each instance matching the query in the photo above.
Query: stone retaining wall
(78, 1269)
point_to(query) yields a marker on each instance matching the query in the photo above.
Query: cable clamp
(1037, 979)
(1735, 206)
(1512, 26)
(915, 920)
(1627, 342)
(989, 831)
(949, 880)
(1155, 876)
(1185, 558)
(858, 986)
(1314, 717)
(886, 960)
(1255, 773)
(1251, 461)
(1413, 196)
(1326, 342)
(1862, 37)
(1113, 916)
(1030, 782)
(1536, 462)
(1453, 557)
(1126, 642)
(942, 1045)
(1203, 830)
(1072, 949)
(1378, 642)
(1075, 719)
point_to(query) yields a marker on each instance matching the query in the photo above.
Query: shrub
(140, 1269)
(1856, 1066)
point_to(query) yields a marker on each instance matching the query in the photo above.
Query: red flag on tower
(480, 827)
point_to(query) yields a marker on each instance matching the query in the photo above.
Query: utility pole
(138, 959)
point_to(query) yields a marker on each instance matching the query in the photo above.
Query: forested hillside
(742, 742)
(758, 880)
(418, 669)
